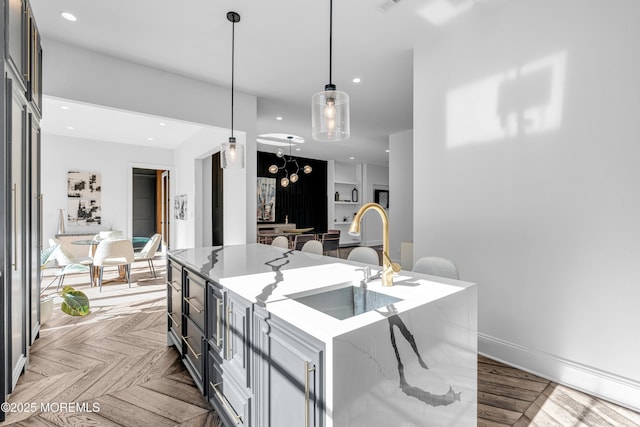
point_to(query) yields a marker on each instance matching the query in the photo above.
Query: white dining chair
(68, 262)
(312, 247)
(364, 254)
(280, 242)
(436, 266)
(113, 253)
(149, 251)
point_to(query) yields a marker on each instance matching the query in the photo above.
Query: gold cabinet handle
(195, 307)
(173, 320)
(14, 259)
(236, 418)
(307, 370)
(228, 339)
(173, 285)
(218, 321)
(186, 341)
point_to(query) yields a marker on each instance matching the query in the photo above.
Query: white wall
(74, 73)
(189, 158)
(113, 161)
(526, 175)
(374, 177)
(401, 191)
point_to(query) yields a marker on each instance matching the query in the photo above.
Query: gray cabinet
(229, 381)
(255, 369)
(17, 36)
(231, 400)
(289, 374)
(174, 304)
(34, 237)
(194, 299)
(17, 111)
(194, 290)
(20, 219)
(236, 351)
(215, 317)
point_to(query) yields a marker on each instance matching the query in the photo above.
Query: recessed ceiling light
(70, 128)
(386, 151)
(297, 149)
(278, 118)
(150, 139)
(356, 80)
(69, 16)
(351, 158)
(162, 124)
(64, 107)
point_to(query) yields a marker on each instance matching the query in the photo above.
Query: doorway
(217, 211)
(150, 205)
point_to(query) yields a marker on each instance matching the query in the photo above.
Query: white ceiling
(282, 57)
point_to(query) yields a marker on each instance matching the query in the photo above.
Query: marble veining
(213, 260)
(276, 267)
(411, 391)
(434, 321)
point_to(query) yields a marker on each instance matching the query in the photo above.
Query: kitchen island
(275, 337)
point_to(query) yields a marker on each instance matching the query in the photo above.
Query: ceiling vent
(388, 4)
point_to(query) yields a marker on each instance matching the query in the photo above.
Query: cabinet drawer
(174, 303)
(194, 299)
(230, 399)
(174, 273)
(194, 353)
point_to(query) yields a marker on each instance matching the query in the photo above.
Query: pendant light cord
(233, 51)
(330, 38)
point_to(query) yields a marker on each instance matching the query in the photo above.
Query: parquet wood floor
(117, 358)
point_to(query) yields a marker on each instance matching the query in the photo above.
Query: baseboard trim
(606, 385)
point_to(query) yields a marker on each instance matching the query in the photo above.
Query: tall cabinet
(20, 198)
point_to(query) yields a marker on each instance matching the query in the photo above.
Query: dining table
(122, 272)
(289, 233)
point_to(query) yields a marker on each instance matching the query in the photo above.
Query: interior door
(144, 202)
(18, 290)
(166, 207)
(216, 198)
(35, 227)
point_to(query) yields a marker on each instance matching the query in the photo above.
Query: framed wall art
(266, 201)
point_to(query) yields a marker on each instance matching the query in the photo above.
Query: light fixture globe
(273, 169)
(293, 178)
(307, 169)
(279, 152)
(284, 181)
(232, 155)
(330, 115)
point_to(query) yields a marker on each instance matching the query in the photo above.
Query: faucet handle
(394, 265)
(367, 272)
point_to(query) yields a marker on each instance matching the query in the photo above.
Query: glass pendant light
(330, 108)
(232, 154)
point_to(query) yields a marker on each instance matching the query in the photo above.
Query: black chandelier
(289, 166)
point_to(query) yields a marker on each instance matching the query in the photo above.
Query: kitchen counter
(409, 360)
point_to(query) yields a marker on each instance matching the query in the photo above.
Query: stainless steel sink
(344, 302)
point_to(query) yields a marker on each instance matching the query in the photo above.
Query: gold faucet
(388, 267)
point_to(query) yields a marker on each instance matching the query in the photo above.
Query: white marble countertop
(270, 276)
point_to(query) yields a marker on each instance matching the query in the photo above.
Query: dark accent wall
(305, 202)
